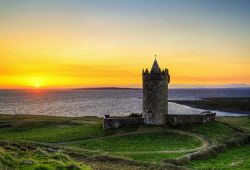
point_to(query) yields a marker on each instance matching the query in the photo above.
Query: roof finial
(155, 68)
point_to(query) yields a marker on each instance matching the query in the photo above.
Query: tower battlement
(161, 75)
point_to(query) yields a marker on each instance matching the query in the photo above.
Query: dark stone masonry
(172, 120)
(117, 122)
(177, 120)
(155, 105)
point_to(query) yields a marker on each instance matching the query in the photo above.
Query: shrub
(73, 167)
(60, 156)
(41, 153)
(7, 159)
(43, 167)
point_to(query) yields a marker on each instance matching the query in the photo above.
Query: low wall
(176, 120)
(172, 120)
(117, 122)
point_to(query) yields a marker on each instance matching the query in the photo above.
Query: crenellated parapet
(163, 74)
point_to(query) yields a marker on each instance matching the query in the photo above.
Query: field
(234, 158)
(47, 142)
(241, 122)
(157, 141)
(25, 158)
(217, 132)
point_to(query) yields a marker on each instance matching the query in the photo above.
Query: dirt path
(205, 142)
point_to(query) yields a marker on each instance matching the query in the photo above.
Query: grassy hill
(50, 142)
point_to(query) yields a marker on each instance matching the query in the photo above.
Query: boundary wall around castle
(171, 120)
(177, 120)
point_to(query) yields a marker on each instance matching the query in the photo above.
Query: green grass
(216, 131)
(54, 129)
(234, 158)
(242, 122)
(51, 133)
(150, 157)
(63, 129)
(38, 160)
(43, 118)
(49, 129)
(143, 142)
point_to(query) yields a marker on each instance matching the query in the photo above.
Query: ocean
(99, 102)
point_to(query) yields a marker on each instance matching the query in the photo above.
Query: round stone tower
(155, 95)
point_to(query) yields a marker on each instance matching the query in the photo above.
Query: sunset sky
(78, 43)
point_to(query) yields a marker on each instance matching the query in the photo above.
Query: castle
(155, 95)
(155, 105)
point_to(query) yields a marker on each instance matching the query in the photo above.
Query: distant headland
(107, 88)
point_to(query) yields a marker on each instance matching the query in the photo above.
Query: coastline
(239, 105)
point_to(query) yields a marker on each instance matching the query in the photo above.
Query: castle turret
(155, 94)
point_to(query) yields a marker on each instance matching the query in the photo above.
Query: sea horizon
(117, 102)
(123, 88)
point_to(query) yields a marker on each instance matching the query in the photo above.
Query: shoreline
(239, 105)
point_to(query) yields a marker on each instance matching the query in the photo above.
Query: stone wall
(177, 120)
(155, 102)
(117, 122)
(170, 120)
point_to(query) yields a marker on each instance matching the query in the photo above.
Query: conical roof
(155, 68)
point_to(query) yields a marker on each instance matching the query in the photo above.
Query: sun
(37, 85)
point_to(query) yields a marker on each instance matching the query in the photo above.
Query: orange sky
(57, 46)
